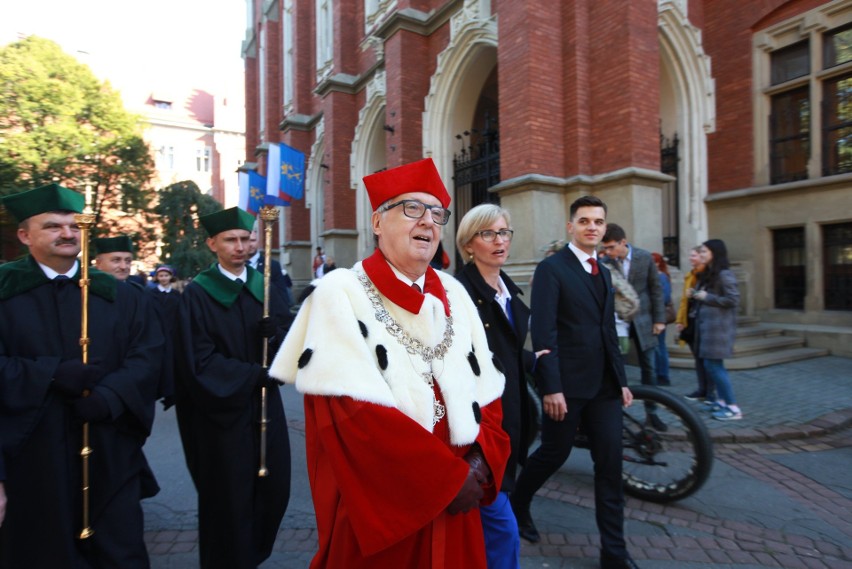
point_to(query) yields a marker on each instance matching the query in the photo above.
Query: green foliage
(59, 123)
(184, 247)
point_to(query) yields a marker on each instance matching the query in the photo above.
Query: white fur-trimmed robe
(336, 347)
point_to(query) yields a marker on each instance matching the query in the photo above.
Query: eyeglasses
(415, 210)
(489, 235)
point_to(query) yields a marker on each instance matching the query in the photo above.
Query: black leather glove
(72, 377)
(468, 497)
(267, 327)
(92, 409)
(480, 468)
(268, 382)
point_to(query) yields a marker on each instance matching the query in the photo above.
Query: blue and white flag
(273, 175)
(292, 172)
(285, 174)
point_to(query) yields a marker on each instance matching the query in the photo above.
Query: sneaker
(695, 396)
(726, 414)
(712, 406)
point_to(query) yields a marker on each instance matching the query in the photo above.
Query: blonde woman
(484, 239)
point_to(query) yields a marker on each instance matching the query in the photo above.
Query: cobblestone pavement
(779, 494)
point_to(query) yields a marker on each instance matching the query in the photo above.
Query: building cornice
(300, 122)
(408, 19)
(346, 83)
(416, 21)
(841, 181)
(541, 183)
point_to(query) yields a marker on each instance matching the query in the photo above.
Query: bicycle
(660, 465)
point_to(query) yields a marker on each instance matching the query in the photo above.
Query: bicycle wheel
(666, 461)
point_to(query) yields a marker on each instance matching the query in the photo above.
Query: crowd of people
(417, 407)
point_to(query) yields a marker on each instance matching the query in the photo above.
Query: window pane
(837, 130)
(789, 256)
(789, 144)
(790, 62)
(838, 47)
(837, 266)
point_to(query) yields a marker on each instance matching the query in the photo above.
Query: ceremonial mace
(85, 221)
(268, 214)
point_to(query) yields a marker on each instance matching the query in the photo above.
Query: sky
(141, 46)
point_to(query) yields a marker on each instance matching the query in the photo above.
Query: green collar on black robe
(25, 274)
(225, 291)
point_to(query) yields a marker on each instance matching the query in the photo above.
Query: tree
(184, 245)
(59, 123)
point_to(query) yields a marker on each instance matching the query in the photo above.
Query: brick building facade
(690, 118)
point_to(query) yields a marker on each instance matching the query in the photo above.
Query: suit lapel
(574, 264)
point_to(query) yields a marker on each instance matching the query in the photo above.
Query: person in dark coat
(716, 298)
(484, 237)
(277, 278)
(639, 269)
(218, 400)
(114, 255)
(43, 382)
(582, 378)
(165, 299)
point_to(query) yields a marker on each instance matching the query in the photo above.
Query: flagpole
(281, 234)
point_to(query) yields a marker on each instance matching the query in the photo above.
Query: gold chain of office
(412, 345)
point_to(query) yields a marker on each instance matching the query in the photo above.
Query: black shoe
(656, 423)
(695, 396)
(618, 563)
(526, 527)
(665, 382)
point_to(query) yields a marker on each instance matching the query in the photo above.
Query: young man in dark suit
(582, 378)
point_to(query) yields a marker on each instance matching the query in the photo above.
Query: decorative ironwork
(669, 159)
(476, 167)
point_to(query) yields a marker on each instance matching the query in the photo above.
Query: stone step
(751, 344)
(757, 360)
(758, 330)
(743, 321)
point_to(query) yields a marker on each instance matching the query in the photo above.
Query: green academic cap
(120, 244)
(231, 218)
(51, 197)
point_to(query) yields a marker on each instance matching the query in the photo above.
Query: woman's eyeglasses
(489, 235)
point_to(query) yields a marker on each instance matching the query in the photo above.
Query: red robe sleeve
(382, 471)
(495, 446)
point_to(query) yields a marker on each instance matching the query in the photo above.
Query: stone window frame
(324, 15)
(376, 11)
(811, 26)
(288, 74)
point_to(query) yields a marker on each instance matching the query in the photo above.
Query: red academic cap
(420, 176)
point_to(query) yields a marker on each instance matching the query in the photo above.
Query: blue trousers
(502, 543)
(717, 375)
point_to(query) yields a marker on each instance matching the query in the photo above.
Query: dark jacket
(577, 327)
(645, 280)
(507, 344)
(277, 278)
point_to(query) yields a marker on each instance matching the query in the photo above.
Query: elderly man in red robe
(402, 396)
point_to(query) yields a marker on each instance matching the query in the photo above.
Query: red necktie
(416, 287)
(594, 263)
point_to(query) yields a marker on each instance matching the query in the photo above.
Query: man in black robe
(165, 300)
(43, 405)
(277, 277)
(218, 400)
(114, 255)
